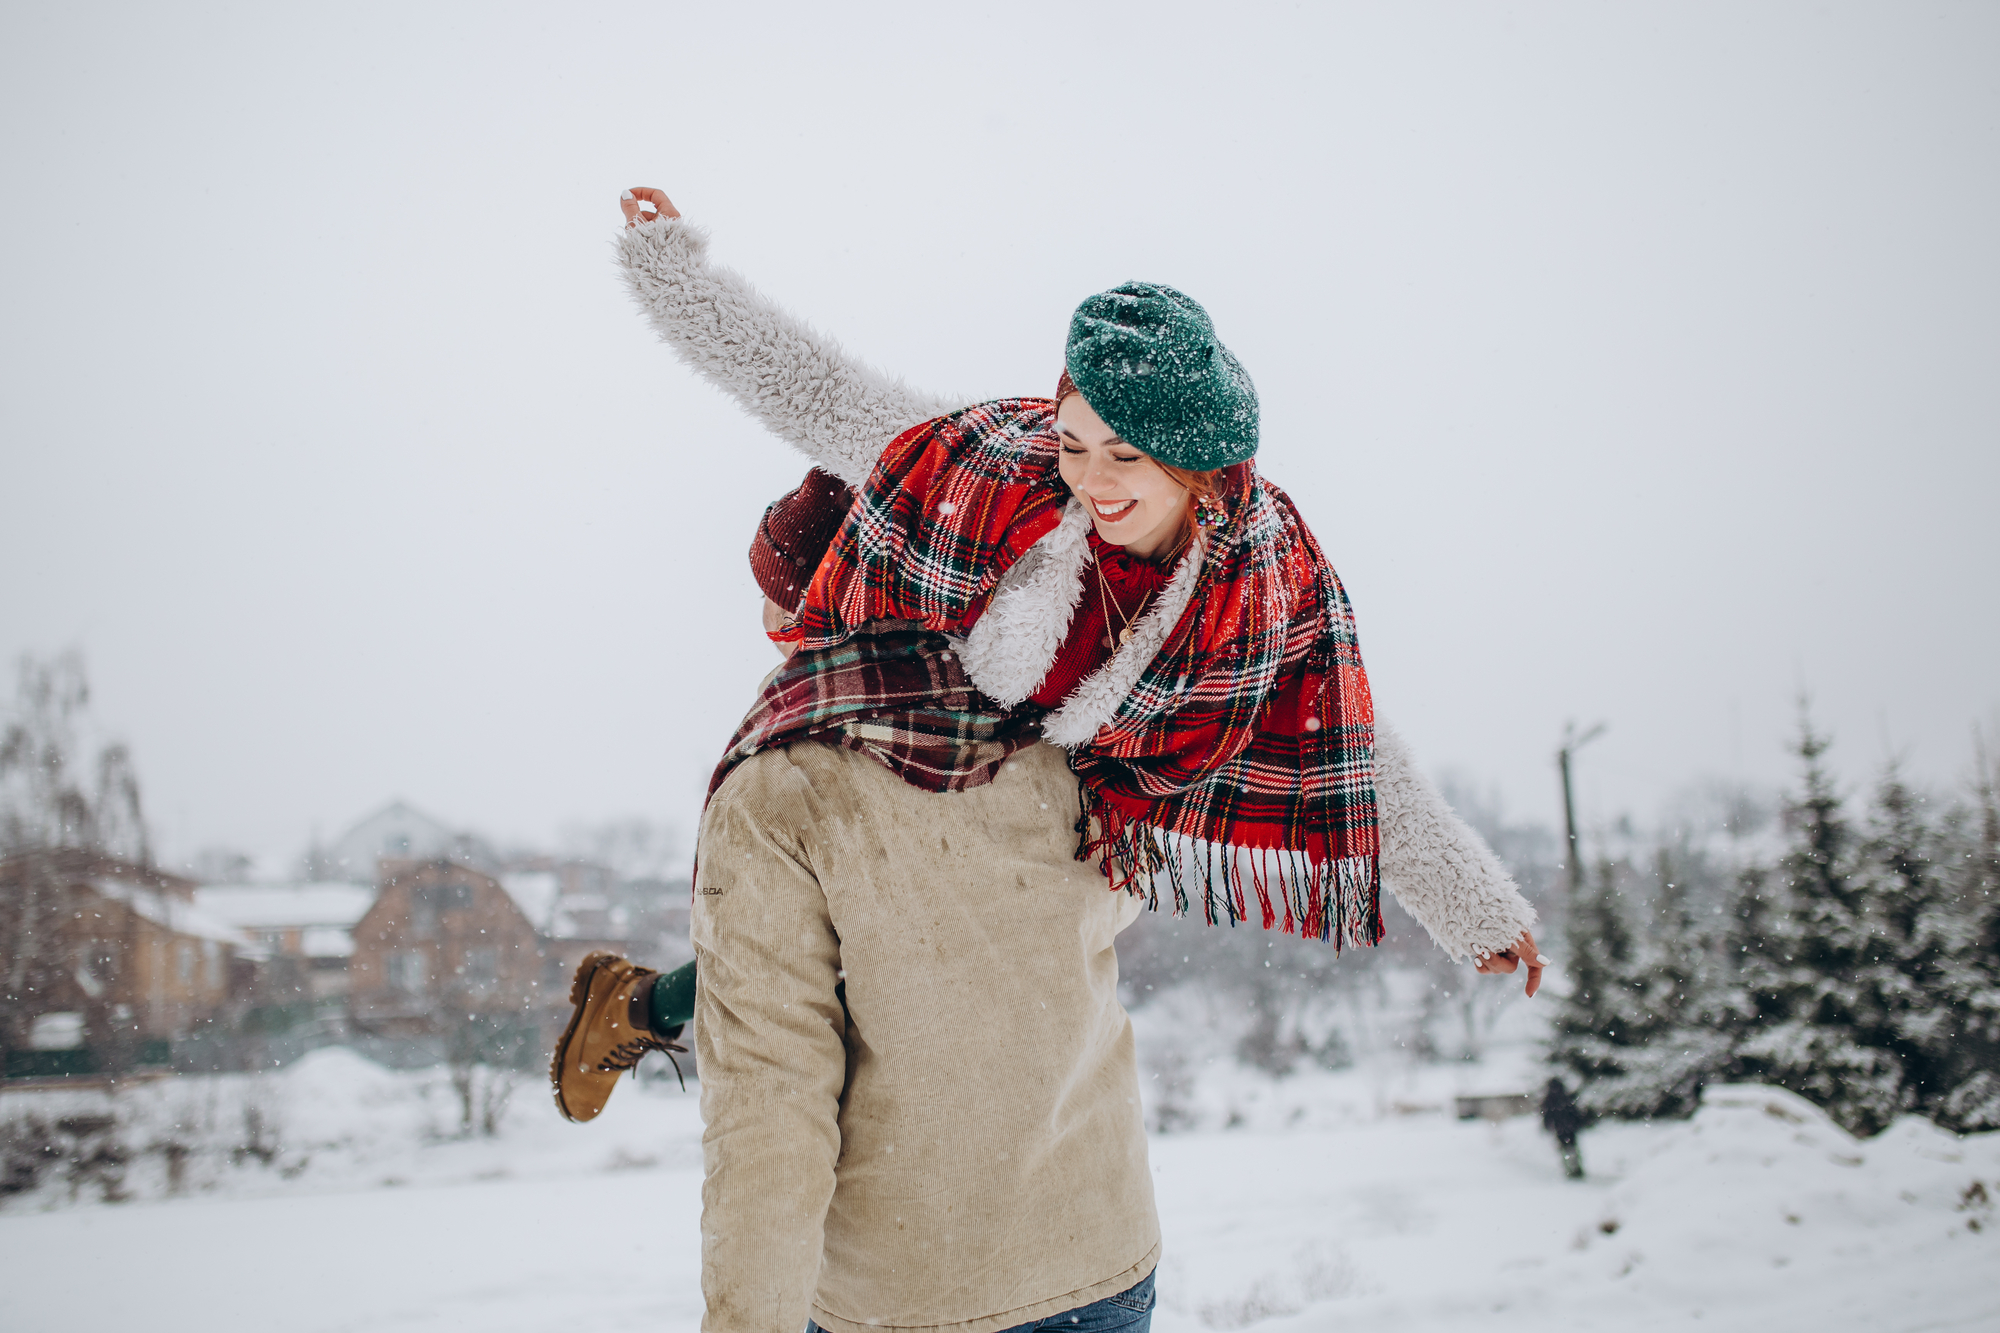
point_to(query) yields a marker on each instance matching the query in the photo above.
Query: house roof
(174, 913)
(397, 831)
(535, 893)
(286, 906)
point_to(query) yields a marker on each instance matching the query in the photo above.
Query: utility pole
(1571, 744)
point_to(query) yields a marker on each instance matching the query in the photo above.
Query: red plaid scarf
(1241, 763)
(899, 695)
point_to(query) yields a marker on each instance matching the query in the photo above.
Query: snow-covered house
(397, 832)
(566, 921)
(306, 929)
(577, 907)
(440, 940)
(125, 950)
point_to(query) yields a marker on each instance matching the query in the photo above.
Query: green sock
(673, 1001)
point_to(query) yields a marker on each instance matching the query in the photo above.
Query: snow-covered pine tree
(1682, 985)
(1601, 1039)
(1809, 994)
(1909, 909)
(1964, 927)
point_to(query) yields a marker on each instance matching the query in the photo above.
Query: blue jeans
(1130, 1311)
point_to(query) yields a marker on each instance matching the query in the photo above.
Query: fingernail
(1541, 960)
(626, 195)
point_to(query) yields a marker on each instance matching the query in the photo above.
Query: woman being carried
(1057, 645)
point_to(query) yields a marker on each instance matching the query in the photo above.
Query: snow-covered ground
(1327, 1200)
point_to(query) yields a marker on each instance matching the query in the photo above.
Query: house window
(184, 957)
(409, 971)
(56, 1032)
(93, 967)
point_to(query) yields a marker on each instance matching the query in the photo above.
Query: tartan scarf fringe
(1337, 899)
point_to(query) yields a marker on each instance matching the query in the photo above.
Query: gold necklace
(1109, 603)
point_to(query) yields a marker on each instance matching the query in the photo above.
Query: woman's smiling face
(1132, 501)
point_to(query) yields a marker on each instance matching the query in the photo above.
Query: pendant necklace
(1110, 604)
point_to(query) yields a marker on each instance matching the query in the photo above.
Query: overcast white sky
(1633, 362)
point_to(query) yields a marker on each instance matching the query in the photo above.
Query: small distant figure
(1562, 1117)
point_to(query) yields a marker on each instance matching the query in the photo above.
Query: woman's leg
(610, 1030)
(672, 1001)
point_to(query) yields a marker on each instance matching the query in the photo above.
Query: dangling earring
(1208, 511)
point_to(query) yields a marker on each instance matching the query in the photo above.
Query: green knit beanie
(1146, 359)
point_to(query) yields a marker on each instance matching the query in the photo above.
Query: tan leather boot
(607, 1035)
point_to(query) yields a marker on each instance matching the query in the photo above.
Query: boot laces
(627, 1054)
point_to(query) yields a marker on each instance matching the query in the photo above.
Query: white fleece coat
(842, 414)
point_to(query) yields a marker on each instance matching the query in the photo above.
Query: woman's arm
(1441, 871)
(801, 384)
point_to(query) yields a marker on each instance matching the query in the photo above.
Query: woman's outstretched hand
(1522, 951)
(638, 195)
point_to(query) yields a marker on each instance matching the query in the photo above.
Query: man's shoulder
(761, 783)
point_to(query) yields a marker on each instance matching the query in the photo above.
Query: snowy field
(1349, 1200)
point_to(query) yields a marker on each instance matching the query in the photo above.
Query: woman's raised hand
(1506, 960)
(633, 199)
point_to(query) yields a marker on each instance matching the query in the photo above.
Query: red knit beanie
(794, 533)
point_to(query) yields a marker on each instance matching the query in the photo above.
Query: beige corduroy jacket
(919, 1089)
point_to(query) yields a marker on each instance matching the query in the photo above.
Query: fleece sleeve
(770, 1040)
(1441, 871)
(799, 383)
